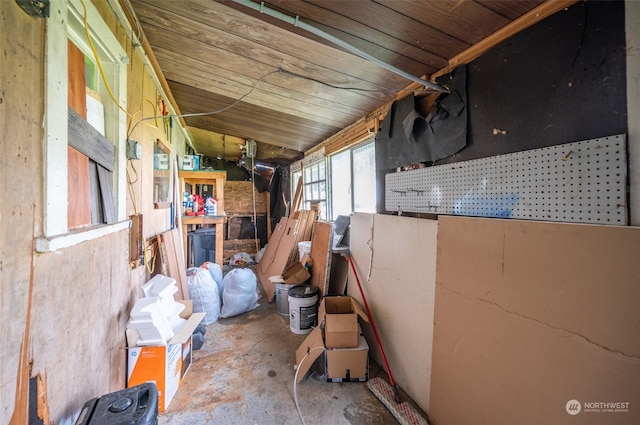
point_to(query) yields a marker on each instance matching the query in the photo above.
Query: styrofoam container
(160, 286)
(150, 321)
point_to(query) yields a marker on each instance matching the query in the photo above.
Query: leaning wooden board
(321, 256)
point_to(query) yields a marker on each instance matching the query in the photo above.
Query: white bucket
(304, 248)
(282, 298)
(303, 308)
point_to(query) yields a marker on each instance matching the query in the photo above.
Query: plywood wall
(62, 313)
(395, 259)
(21, 135)
(529, 316)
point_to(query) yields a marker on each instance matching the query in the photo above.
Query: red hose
(375, 333)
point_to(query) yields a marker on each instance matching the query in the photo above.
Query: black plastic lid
(303, 291)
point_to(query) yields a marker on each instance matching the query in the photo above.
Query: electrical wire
(98, 61)
(217, 111)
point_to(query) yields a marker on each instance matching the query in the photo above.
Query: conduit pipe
(295, 21)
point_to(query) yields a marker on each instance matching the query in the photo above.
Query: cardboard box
(339, 364)
(165, 365)
(340, 315)
(295, 274)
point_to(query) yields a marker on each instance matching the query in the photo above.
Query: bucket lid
(303, 291)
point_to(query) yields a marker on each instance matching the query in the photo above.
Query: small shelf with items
(204, 184)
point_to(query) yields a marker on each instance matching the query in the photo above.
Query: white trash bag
(240, 292)
(216, 274)
(204, 294)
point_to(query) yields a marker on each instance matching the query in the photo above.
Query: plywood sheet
(175, 262)
(395, 259)
(531, 315)
(321, 256)
(239, 199)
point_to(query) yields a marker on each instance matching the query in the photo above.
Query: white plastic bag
(204, 294)
(240, 292)
(216, 274)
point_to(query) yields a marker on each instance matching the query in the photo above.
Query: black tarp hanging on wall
(406, 137)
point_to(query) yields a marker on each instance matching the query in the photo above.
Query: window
(341, 184)
(66, 28)
(314, 188)
(353, 180)
(364, 178)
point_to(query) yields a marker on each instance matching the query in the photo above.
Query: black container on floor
(132, 406)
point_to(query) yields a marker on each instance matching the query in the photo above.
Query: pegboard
(575, 182)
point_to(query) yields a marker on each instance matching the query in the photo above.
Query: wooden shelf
(216, 178)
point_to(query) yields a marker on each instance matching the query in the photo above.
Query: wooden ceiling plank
(205, 101)
(396, 25)
(275, 136)
(383, 46)
(215, 24)
(525, 21)
(264, 94)
(456, 18)
(298, 86)
(510, 9)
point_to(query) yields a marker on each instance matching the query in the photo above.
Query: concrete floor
(244, 374)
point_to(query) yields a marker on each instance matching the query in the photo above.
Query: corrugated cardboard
(295, 274)
(348, 364)
(341, 321)
(165, 365)
(276, 255)
(342, 364)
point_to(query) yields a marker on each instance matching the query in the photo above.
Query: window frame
(66, 23)
(352, 188)
(305, 183)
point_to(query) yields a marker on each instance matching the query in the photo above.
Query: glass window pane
(323, 209)
(321, 170)
(323, 190)
(294, 182)
(340, 184)
(314, 191)
(307, 175)
(314, 172)
(307, 192)
(364, 179)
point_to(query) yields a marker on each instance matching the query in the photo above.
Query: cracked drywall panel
(395, 259)
(494, 367)
(582, 278)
